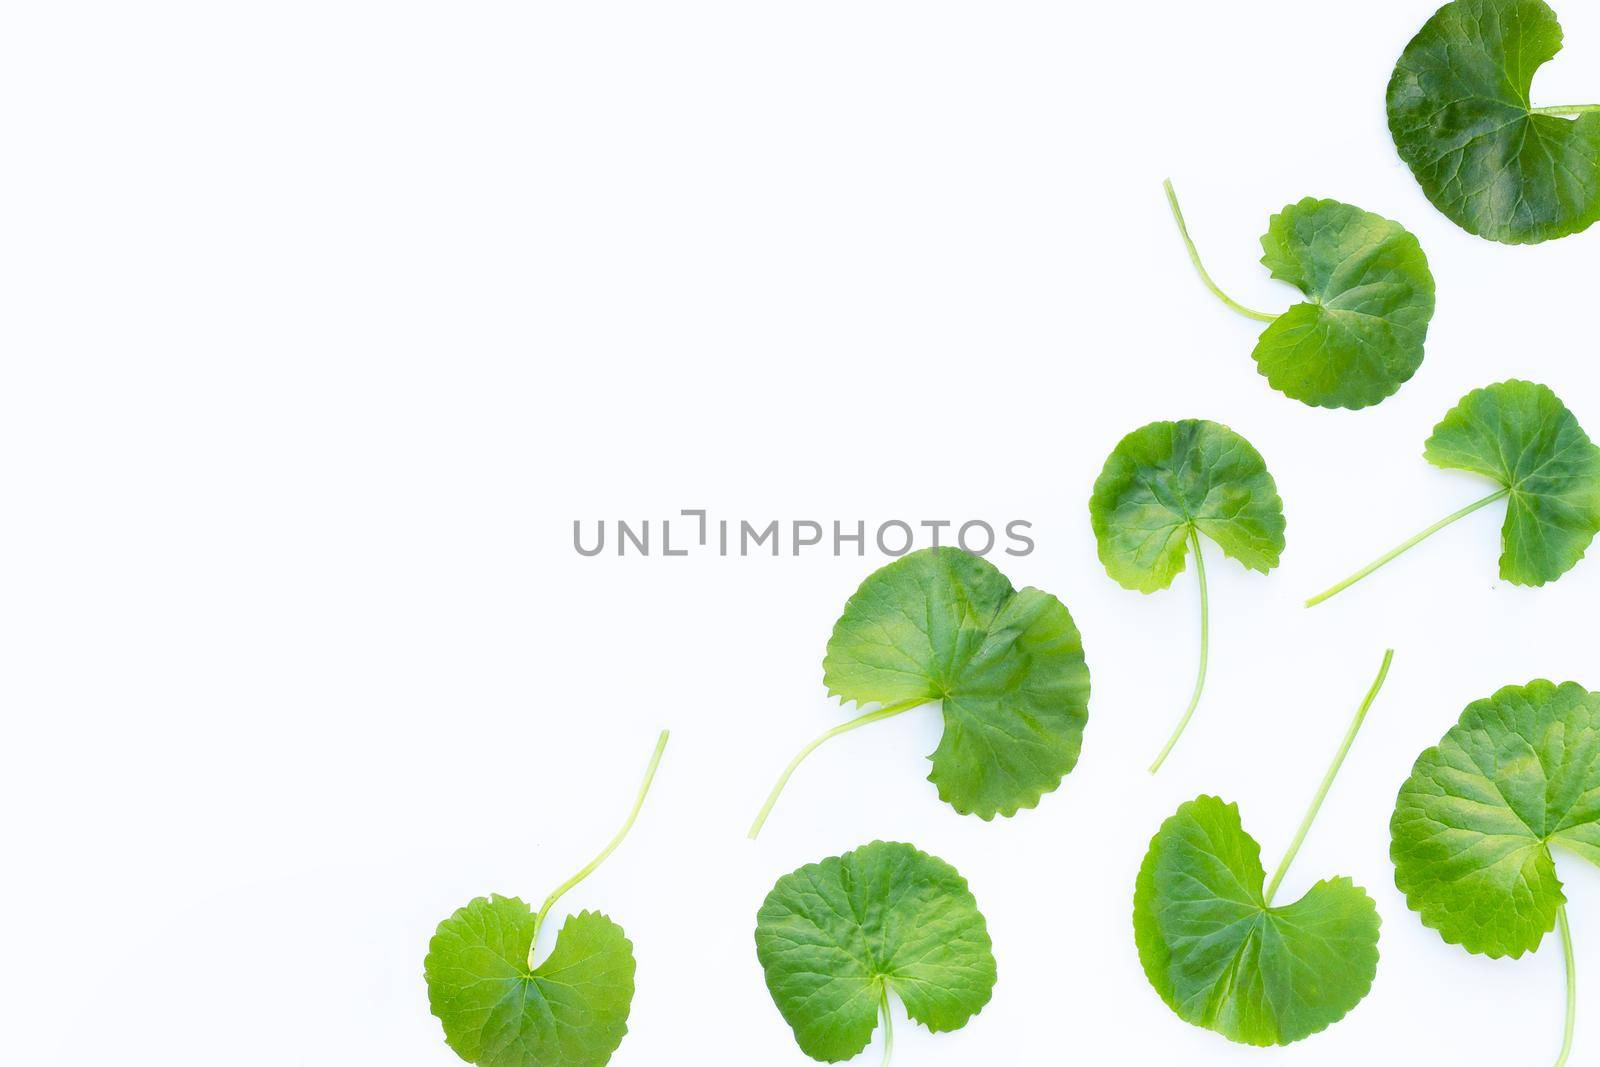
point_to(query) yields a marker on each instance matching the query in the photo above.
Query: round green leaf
(1007, 666)
(1522, 436)
(1222, 958)
(1359, 336)
(1168, 477)
(1474, 825)
(570, 1010)
(832, 935)
(1460, 110)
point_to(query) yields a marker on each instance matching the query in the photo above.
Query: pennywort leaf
(1476, 826)
(1461, 112)
(1358, 336)
(1163, 486)
(1005, 665)
(499, 1009)
(1521, 436)
(836, 938)
(1221, 954)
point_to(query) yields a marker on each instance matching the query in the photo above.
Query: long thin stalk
(888, 1027)
(1200, 268)
(644, 789)
(1572, 984)
(1410, 542)
(1565, 110)
(783, 779)
(1327, 779)
(1205, 647)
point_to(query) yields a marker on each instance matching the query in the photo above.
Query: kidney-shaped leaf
(1005, 664)
(1359, 337)
(571, 1010)
(1163, 486)
(834, 937)
(1461, 114)
(1474, 824)
(1522, 436)
(1163, 481)
(1223, 958)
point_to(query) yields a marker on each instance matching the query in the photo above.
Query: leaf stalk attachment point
(1572, 984)
(644, 789)
(783, 779)
(1194, 257)
(1205, 645)
(1327, 779)
(1409, 543)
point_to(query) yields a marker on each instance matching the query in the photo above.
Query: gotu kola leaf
(1475, 825)
(1163, 486)
(1461, 112)
(1006, 666)
(1218, 951)
(1522, 436)
(499, 1009)
(1358, 336)
(835, 938)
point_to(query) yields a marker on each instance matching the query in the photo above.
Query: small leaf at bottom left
(571, 1010)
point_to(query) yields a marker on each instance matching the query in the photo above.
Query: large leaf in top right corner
(1473, 826)
(1460, 111)
(1522, 435)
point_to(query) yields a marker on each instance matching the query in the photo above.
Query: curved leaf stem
(783, 779)
(1194, 257)
(1565, 110)
(1205, 646)
(1410, 542)
(888, 1028)
(644, 789)
(1572, 984)
(1327, 779)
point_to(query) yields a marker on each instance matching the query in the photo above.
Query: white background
(322, 321)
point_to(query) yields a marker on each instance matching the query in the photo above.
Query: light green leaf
(1461, 112)
(1163, 486)
(1523, 437)
(1360, 335)
(834, 936)
(1474, 825)
(1006, 666)
(1223, 958)
(1168, 478)
(571, 1010)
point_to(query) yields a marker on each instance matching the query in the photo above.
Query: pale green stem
(1327, 779)
(1565, 110)
(783, 779)
(888, 1028)
(1205, 646)
(1194, 257)
(1410, 542)
(1572, 984)
(644, 789)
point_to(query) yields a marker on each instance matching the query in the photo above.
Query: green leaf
(1167, 478)
(570, 1010)
(1006, 666)
(1164, 485)
(1461, 112)
(1474, 825)
(833, 936)
(1360, 335)
(1523, 437)
(1223, 958)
